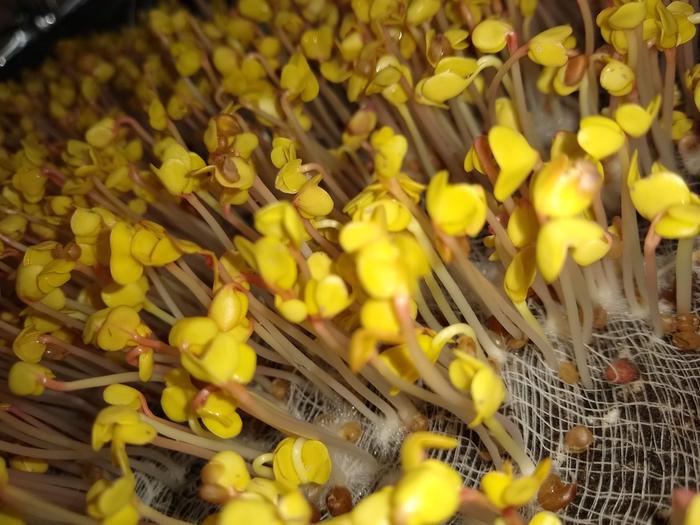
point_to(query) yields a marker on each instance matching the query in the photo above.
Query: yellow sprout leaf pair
(40, 275)
(504, 490)
(679, 222)
(675, 28)
(457, 209)
(101, 134)
(523, 224)
(110, 502)
(235, 172)
(600, 136)
(113, 329)
(565, 188)
(617, 78)
(275, 263)
(131, 294)
(176, 397)
(228, 308)
(420, 11)
(177, 170)
(427, 493)
(326, 296)
(226, 470)
(659, 191)
(636, 120)
(515, 158)
(218, 413)
(298, 79)
(399, 361)
(122, 395)
(26, 464)
(281, 221)
(312, 201)
(223, 359)
(390, 150)
(192, 334)
(358, 128)
(27, 379)
(28, 345)
(318, 43)
(547, 48)
(664, 197)
(486, 388)
(520, 274)
(291, 508)
(298, 461)
(490, 36)
(212, 348)
(379, 315)
(390, 267)
(121, 425)
(145, 244)
(586, 239)
(446, 83)
(413, 448)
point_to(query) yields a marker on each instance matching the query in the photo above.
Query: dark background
(72, 17)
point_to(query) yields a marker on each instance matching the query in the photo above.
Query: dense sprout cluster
(197, 212)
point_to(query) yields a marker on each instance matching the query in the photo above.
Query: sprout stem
(669, 84)
(31, 505)
(589, 43)
(190, 283)
(631, 257)
(515, 451)
(184, 436)
(567, 287)
(210, 220)
(261, 409)
(95, 382)
(492, 93)
(651, 241)
(684, 275)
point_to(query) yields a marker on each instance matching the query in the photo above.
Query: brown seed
(686, 341)
(315, 513)
(578, 439)
(484, 454)
(555, 494)
(214, 494)
(568, 373)
(516, 344)
(227, 125)
(466, 344)
(621, 371)
(280, 388)
(54, 354)
(687, 322)
(668, 323)
(575, 69)
(438, 49)
(495, 326)
(73, 251)
(338, 501)
(600, 318)
(418, 423)
(351, 431)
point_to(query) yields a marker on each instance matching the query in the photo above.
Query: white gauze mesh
(647, 433)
